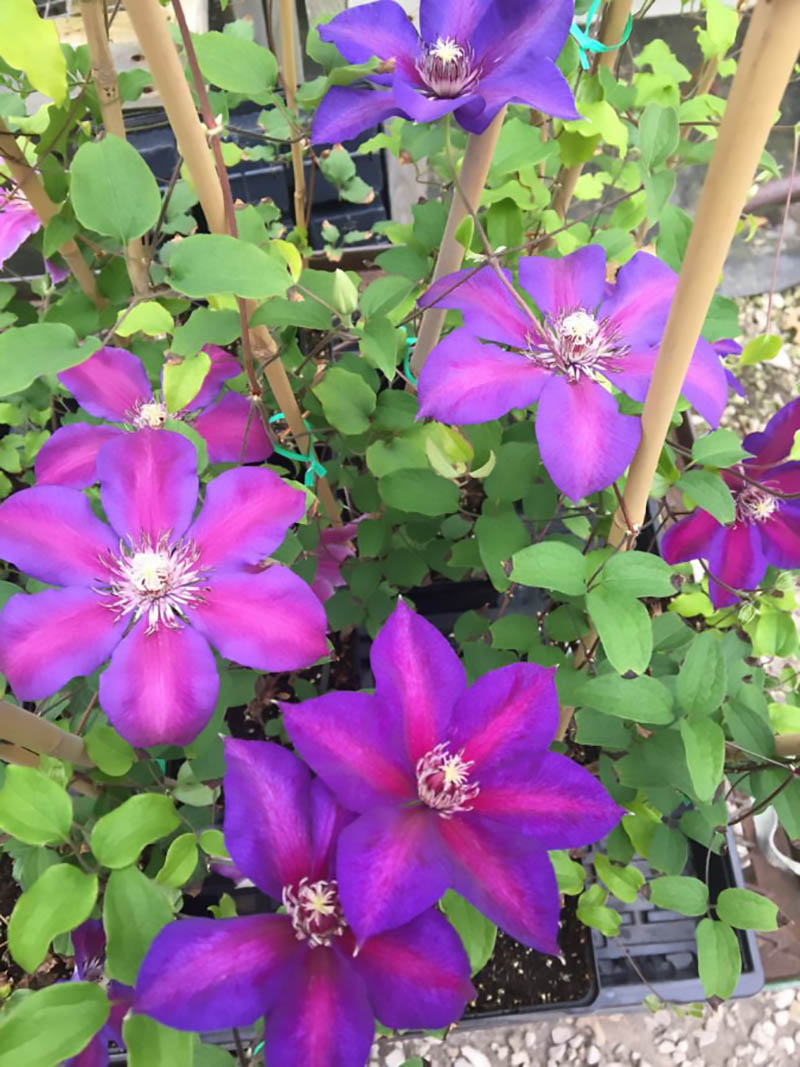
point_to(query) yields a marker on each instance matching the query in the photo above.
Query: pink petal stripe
(109, 384)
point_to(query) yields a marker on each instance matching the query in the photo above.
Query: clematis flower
(591, 335)
(766, 529)
(454, 786)
(113, 384)
(154, 590)
(18, 221)
(89, 942)
(471, 58)
(335, 546)
(299, 970)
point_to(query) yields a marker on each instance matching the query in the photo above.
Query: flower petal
(507, 708)
(344, 113)
(210, 974)
(52, 533)
(160, 688)
(148, 483)
(511, 27)
(381, 29)
(735, 557)
(601, 440)
(523, 78)
(335, 546)
(354, 742)
(691, 538)
(233, 431)
(490, 311)
(51, 637)
(391, 866)
(323, 1017)
(246, 515)
(781, 537)
(328, 820)
(270, 621)
(223, 367)
(69, 456)
(109, 384)
(18, 221)
(449, 18)
(415, 103)
(576, 281)
(639, 302)
(507, 876)
(417, 675)
(466, 381)
(785, 478)
(267, 807)
(417, 976)
(552, 800)
(89, 944)
(775, 441)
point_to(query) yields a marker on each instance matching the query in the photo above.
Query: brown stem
(288, 60)
(31, 187)
(104, 76)
(27, 730)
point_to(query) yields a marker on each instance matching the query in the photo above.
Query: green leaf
(61, 899)
(206, 1055)
(637, 574)
(419, 491)
(183, 379)
(149, 317)
(668, 850)
(719, 959)
(687, 896)
(26, 352)
(215, 264)
(34, 808)
(478, 934)
(118, 837)
(593, 912)
(234, 63)
(150, 1044)
(719, 35)
(570, 875)
(51, 1025)
(708, 491)
(381, 345)
(134, 910)
(206, 326)
(30, 43)
(659, 134)
(704, 742)
(384, 295)
(212, 843)
(180, 861)
(623, 626)
(720, 448)
(346, 399)
(760, 349)
(747, 910)
(112, 753)
(624, 882)
(113, 190)
(702, 680)
(642, 699)
(551, 565)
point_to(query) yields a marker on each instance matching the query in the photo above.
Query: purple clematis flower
(334, 548)
(113, 384)
(18, 221)
(89, 942)
(154, 590)
(455, 786)
(471, 58)
(591, 334)
(299, 970)
(766, 530)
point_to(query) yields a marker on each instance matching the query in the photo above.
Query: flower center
(150, 414)
(159, 580)
(315, 911)
(443, 781)
(754, 504)
(447, 67)
(576, 344)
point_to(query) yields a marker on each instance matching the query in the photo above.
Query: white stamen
(315, 911)
(755, 504)
(448, 68)
(150, 415)
(443, 781)
(447, 49)
(577, 345)
(580, 327)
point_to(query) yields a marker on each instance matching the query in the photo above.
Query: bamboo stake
(787, 745)
(31, 187)
(23, 728)
(466, 198)
(289, 77)
(765, 66)
(152, 30)
(104, 76)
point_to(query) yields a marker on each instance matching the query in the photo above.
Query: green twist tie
(587, 44)
(410, 342)
(315, 468)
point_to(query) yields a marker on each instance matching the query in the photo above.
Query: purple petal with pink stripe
(233, 431)
(736, 558)
(69, 457)
(559, 286)
(489, 310)
(109, 384)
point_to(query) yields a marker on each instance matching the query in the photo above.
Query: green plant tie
(587, 44)
(315, 468)
(411, 340)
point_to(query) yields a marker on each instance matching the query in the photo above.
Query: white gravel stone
(520, 1059)
(784, 998)
(502, 1053)
(530, 1038)
(576, 1041)
(781, 1018)
(475, 1057)
(760, 1057)
(395, 1058)
(559, 1035)
(787, 1045)
(666, 1048)
(557, 1053)
(593, 1055)
(662, 1018)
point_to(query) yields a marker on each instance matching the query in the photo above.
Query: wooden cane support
(288, 60)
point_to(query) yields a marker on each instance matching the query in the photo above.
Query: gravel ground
(761, 1030)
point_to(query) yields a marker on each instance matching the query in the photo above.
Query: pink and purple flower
(113, 384)
(300, 970)
(18, 221)
(766, 530)
(335, 548)
(89, 942)
(591, 336)
(471, 58)
(155, 589)
(454, 786)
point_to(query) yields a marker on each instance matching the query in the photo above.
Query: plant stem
(104, 76)
(31, 187)
(288, 61)
(466, 198)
